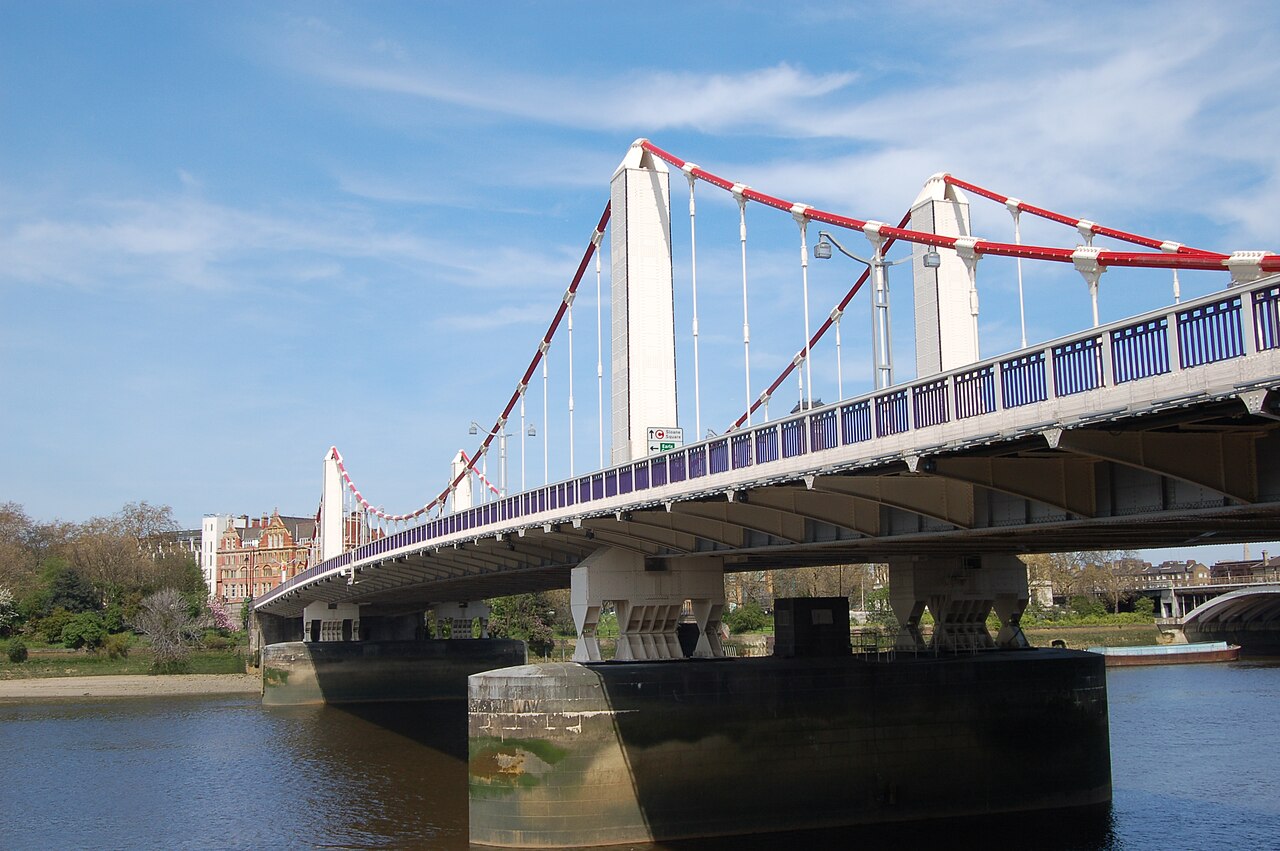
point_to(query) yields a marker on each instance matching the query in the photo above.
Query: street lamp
(502, 435)
(881, 338)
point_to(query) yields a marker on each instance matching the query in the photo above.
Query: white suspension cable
(1172, 248)
(546, 442)
(836, 315)
(798, 212)
(599, 361)
(693, 261)
(569, 298)
(503, 437)
(1013, 205)
(746, 326)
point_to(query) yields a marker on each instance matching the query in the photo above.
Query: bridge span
(1087, 442)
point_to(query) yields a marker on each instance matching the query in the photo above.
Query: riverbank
(130, 685)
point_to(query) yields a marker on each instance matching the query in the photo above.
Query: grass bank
(1095, 635)
(77, 663)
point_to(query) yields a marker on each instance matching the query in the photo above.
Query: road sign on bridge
(665, 439)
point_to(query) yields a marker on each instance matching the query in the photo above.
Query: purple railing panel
(975, 392)
(1210, 333)
(741, 450)
(793, 438)
(1140, 351)
(767, 444)
(892, 415)
(1077, 367)
(718, 456)
(929, 403)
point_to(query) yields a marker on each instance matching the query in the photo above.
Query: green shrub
(51, 626)
(84, 630)
(17, 651)
(747, 618)
(116, 645)
(171, 666)
(215, 641)
(1086, 606)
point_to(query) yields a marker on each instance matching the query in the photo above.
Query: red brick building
(255, 555)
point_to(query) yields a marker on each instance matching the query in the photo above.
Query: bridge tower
(331, 538)
(644, 337)
(946, 299)
(647, 593)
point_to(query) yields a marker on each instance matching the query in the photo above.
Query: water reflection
(1192, 757)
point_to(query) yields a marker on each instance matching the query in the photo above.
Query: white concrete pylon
(331, 508)
(945, 333)
(463, 496)
(644, 354)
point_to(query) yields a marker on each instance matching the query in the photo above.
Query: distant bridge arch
(1249, 617)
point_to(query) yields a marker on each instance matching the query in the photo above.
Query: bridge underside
(1180, 477)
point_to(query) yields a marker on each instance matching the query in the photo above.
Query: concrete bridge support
(960, 592)
(336, 653)
(304, 672)
(568, 755)
(648, 595)
(458, 619)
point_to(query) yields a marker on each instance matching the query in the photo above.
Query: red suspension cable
(1101, 230)
(501, 422)
(981, 247)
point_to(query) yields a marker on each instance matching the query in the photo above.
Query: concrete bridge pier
(960, 592)
(648, 595)
(650, 746)
(339, 653)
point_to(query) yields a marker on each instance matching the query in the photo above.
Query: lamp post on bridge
(502, 435)
(881, 336)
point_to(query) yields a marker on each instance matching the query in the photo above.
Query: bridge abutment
(569, 755)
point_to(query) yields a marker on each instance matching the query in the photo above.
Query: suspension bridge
(1158, 429)
(1141, 432)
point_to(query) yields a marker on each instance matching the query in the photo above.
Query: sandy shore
(134, 685)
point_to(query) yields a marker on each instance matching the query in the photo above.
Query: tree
(165, 619)
(1107, 573)
(523, 616)
(8, 610)
(69, 590)
(220, 616)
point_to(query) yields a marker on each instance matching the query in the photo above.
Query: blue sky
(234, 234)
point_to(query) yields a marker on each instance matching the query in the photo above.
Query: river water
(1194, 761)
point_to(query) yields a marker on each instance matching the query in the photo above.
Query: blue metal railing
(1205, 331)
(1210, 333)
(1140, 351)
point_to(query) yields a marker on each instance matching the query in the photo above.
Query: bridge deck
(1153, 431)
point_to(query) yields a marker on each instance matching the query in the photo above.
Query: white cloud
(191, 242)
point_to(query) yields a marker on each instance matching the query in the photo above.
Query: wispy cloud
(189, 242)
(1045, 102)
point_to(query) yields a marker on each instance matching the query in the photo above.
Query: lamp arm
(822, 234)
